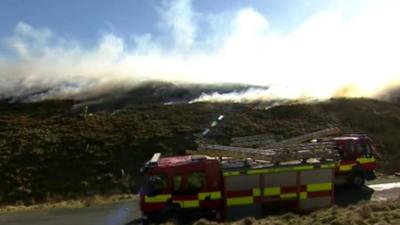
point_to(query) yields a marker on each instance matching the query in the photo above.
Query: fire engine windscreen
(154, 184)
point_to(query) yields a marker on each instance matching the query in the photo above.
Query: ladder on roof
(309, 136)
(267, 140)
(304, 151)
(252, 138)
(255, 140)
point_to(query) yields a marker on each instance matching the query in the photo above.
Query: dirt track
(127, 212)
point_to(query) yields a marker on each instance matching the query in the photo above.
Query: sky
(295, 48)
(86, 21)
(89, 19)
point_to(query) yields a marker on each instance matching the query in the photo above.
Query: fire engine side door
(186, 186)
(211, 195)
(197, 187)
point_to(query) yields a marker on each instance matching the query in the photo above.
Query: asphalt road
(108, 214)
(125, 212)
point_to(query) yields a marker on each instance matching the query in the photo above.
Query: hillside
(50, 150)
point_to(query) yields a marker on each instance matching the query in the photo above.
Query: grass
(364, 213)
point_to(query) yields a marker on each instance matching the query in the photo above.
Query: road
(109, 214)
(124, 213)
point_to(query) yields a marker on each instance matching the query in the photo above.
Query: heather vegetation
(50, 151)
(364, 213)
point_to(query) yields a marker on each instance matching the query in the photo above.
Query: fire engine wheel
(173, 221)
(170, 210)
(357, 180)
(219, 215)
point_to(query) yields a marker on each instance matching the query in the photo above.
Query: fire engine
(257, 174)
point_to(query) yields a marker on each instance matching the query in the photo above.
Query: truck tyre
(219, 215)
(173, 221)
(357, 180)
(170, 210)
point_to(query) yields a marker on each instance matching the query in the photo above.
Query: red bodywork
(183, 166)
(355, 151)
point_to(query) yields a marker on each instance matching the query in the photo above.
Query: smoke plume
(328, 54)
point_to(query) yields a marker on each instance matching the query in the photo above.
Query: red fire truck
(302, 178)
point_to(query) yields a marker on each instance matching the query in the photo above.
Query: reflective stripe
(319, 187)
(157, 198)
(349, 167)
(288, 195)
(211, 195)
(180, 202)
(240, 201)
(256, 192)
(191, 203)
(303, 195)
(326, 166)
(204, 195)
(216, 195)
(284, 169)
(366, 160)
(187, 203)
(231, 173)
(263, 171)
(258, 171)
(346, 167)
(303, 168)
(271, 191)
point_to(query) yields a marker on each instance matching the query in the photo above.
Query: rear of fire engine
(355, 153)
(357, 159)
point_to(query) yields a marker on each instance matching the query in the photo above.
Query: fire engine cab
(181, 182)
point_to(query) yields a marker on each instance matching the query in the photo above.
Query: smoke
(252, 94)
(328, 54)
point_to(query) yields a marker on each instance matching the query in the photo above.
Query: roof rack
(356, 135)
(269, 140)
(251, 143)
(307, 137)
(318, 150)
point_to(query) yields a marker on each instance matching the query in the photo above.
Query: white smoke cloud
(326, 55)
(253, 94)
(179, 19)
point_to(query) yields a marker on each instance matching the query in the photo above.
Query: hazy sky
(298, 48)
(86, 20)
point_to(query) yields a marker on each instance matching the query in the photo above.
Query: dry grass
(364, 213)
(78, 203)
